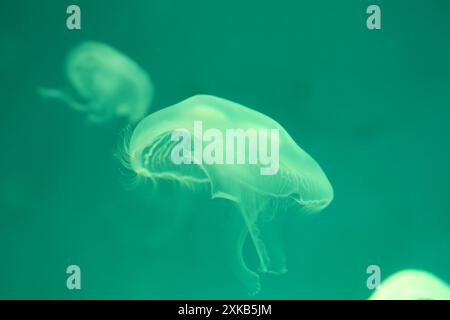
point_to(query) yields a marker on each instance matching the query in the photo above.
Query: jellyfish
(412, 285)
(105, 83)
(261, 192)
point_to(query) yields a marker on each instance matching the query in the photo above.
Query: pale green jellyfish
(105, 84)
(238, 154)
(412, 285)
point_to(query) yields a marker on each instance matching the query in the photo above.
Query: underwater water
(371, 107)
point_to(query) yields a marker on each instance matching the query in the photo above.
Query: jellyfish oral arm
(62, 96)
(229, 150)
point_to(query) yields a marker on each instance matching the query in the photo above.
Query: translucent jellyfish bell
(107, 84)
(260, 197)
(412, 285)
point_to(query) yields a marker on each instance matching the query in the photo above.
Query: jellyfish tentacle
(236, 236)
(267, 242)
(62, 96)
(249, 212)
(270, 235)
(260, 247)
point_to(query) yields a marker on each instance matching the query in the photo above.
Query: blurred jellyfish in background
(412, 285)
(105, 84)
(261, 200)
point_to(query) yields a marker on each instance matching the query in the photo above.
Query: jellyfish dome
(240, 155)
(412, 285)
(105, 84)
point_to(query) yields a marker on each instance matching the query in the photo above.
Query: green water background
(372, 107)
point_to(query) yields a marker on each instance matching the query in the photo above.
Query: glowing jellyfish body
(107, 84)
(412, 285)
(260, 198)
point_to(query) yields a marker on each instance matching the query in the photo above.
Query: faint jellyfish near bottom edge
(412, 285)
(261, 200)
(105, 84)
